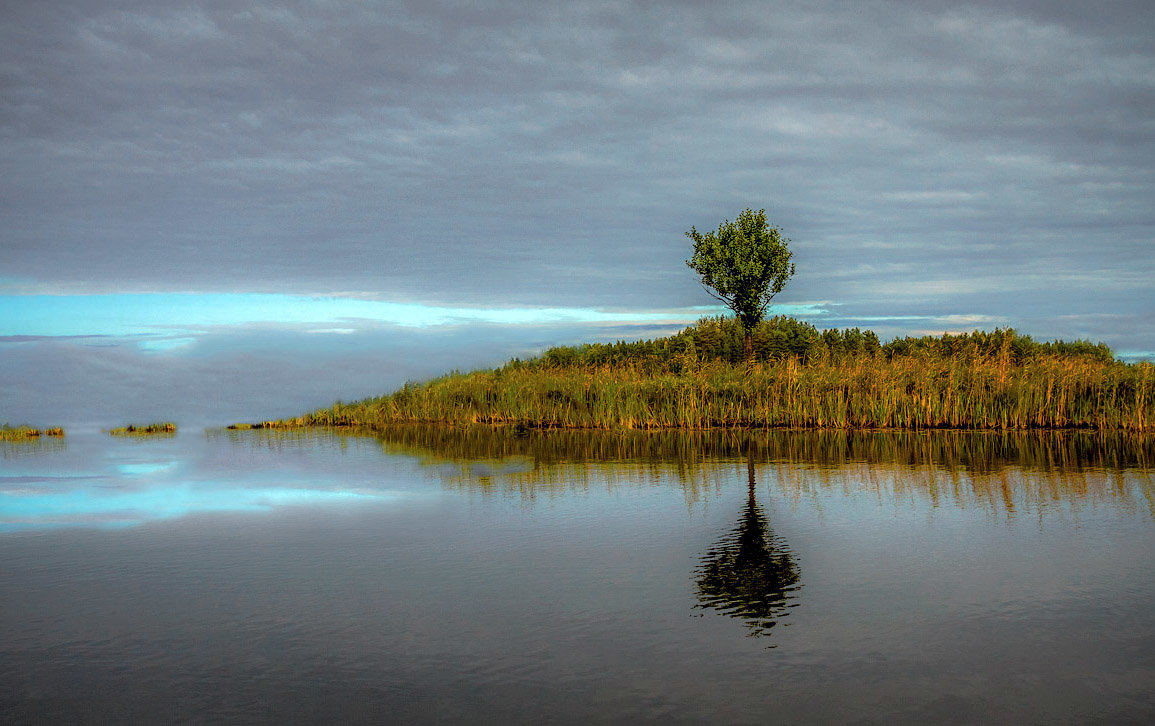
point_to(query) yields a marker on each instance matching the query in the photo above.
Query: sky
(222, 211)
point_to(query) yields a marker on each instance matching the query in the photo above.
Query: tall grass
(800, 378)
(163, 427)
(26, 433)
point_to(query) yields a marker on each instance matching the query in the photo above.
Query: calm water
(449, 576)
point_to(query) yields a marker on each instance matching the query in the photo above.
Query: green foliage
(744, 264)
(715, 339)
(1002, 344)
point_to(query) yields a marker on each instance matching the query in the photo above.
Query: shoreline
(531, 426)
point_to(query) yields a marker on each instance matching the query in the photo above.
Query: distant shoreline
(27, 433)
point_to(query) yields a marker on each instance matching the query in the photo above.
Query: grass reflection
(1006, 472)
(749, 572)
(31, 446)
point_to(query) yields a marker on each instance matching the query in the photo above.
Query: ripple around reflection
(750, 573)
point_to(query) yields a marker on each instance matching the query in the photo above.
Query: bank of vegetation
(262, 425)
(26, 433)
(788, 375)
(152, 429)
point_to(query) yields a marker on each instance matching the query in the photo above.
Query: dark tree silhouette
(748, 574)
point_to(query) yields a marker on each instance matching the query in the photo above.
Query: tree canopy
(743, 263)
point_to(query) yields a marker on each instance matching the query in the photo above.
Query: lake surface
(473, 576)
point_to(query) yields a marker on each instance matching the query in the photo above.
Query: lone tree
(744, 264)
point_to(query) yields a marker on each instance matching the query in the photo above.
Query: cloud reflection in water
(97, 482)
(108, 505)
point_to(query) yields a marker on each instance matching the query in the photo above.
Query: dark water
(471, 576)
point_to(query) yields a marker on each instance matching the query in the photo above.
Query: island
(750, 371)
(788, 374)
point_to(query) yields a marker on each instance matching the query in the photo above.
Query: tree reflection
(749, 574)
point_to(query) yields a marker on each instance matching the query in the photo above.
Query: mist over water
(436, 574)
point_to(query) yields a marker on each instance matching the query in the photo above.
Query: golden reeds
(152, 429)
(801, 379)
(902, 393)
(26, 433)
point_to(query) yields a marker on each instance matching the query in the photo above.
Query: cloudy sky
(226, 210)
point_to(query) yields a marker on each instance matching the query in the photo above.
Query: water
(465, 576)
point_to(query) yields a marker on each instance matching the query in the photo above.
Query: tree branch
(714, 295)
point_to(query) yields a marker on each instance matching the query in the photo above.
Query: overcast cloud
(938, 165)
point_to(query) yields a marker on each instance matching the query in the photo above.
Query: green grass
(799, 378)
(152, 429)
(26, 433)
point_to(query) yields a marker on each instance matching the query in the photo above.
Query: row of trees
(779, 337)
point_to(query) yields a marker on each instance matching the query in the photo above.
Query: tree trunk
(749, 346)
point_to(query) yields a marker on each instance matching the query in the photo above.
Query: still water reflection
(749, 574)
(465, 575)
(1005, 473)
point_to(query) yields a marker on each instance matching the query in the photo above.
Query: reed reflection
(1006, 473)
(975, 452)
(749, 574)
(32, 447)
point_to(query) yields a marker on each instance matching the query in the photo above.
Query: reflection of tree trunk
(751, 504)
(749, 573)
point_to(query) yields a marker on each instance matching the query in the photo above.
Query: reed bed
(26, 433)
(797, 378)
(913, 392)
(262, 425)
(152, 429)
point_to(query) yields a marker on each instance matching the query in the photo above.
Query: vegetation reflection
(31, 446)
(1006, 473)
(749, 574)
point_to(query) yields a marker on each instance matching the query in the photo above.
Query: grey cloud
(963, 154)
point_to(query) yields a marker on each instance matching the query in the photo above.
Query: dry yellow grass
(914, 392)
(24, 433)
(152, 429)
